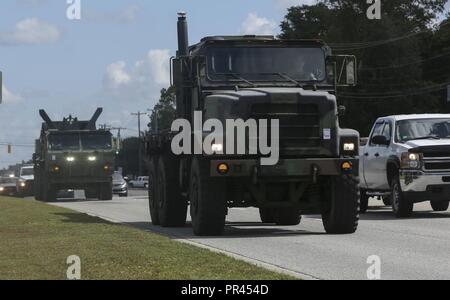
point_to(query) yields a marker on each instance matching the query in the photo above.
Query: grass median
(36, 239)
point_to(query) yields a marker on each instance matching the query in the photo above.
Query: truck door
(381, 158)
(370, 156)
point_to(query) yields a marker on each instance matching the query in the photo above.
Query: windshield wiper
(237, 76)
(287, 77)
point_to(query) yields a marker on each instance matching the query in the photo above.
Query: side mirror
(341, 110)
(380, 140)
(344, 68)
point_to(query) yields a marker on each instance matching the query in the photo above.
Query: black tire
(401, 205)
(364, 202)
(387, 200)
(208, 200)
(152, 192)
(172, 206)
(440, 205)
(287, 216)
(106, 193)
(340, 208)
(267, 215)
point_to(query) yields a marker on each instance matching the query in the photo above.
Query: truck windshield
(96, 141)
(267, 64)
(409, 130)
(64, 142)
(27, 172)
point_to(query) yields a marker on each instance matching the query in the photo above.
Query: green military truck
(73, 154)
(257, 78)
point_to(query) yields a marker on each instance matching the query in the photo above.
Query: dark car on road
(8, 186)
(120, 186)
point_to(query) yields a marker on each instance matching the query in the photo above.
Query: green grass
(36, 239)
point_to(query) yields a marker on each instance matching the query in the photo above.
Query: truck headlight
(411, 160)
(92, 158)
(2, 189)
(23, 184)
(70, 159)
(349, 147)
(217, 148)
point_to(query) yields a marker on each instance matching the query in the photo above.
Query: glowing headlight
(23, 184)
(92, 158)
(414, 156)
(217, 148)
(349, 147)
(2, 189)
(70, 159)
(410, 160)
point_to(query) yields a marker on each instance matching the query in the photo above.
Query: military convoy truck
(258, 77)
(73, 154)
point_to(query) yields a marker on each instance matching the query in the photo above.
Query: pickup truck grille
(299, 123)
(437, 165)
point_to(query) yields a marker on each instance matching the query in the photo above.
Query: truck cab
(407, 160)
(25, 182)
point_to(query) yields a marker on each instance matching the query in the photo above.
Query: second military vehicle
(254, 79)
(406, 161)
(74, 154)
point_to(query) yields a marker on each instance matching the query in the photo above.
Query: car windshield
(408, 130)
(266, 64)
(27, 172)
(7, 181)
(117, 177)
(96, 141)
(66, 141)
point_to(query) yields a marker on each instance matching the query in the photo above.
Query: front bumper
(286, 168)
(120, 191)
(422, 186)
(8, 191)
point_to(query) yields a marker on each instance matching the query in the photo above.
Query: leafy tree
(390, 53)
(164, 112)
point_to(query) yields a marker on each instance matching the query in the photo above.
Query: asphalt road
(416, 248)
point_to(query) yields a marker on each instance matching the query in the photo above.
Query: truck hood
(427, 143)
(29, 177)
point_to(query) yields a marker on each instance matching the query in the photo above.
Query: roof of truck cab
(417, 117)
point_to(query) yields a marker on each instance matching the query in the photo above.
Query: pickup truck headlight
(411, 160)
(2, 189)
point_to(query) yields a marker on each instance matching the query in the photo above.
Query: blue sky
(116, 56)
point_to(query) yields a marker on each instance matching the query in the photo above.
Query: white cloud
(254, 24)
(140, 81)
(284, 4)
(31, 31)
(9, 97)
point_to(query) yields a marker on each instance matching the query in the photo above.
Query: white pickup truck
(140, 182)
(407, 160)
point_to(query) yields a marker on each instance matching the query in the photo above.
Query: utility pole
(139, 114)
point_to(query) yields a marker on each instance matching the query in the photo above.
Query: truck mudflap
(285, 167)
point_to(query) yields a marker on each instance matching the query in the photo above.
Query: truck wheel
(401, 206)
(364, 202)
(287, 216)
(341, 205)
(208, 200)
(152, 192)
(440, 205)
(106, 193)
(267, 215)
(172, 207)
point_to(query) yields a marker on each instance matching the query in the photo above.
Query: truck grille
(436, 160)
(299, 123)
(437, 165)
